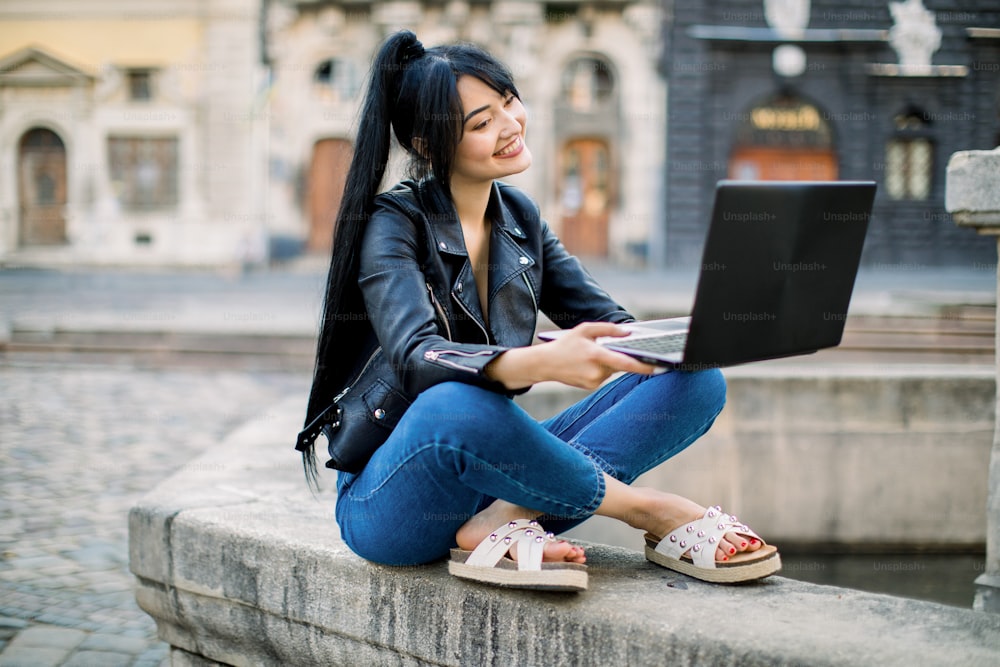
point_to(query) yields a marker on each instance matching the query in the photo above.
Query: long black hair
(413, 92)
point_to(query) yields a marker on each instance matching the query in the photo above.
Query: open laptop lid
(778, 269)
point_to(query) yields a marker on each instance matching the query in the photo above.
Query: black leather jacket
(420, 293)
(426, 323)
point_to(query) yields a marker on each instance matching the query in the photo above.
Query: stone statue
(788, 17)
(914, 35)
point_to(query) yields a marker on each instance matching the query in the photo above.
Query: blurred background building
(129, 132)
(788, 89)
(587, 73)
(212, 132)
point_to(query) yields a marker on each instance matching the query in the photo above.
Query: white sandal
(490, 564)
(690, 550)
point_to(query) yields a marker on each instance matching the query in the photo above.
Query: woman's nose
(512, 125)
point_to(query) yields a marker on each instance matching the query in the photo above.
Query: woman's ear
(420, 146)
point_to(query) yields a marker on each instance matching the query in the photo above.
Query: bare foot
(664, 512)
(476, 529)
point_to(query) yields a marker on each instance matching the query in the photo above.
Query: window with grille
(587, 83)
(144, 171)
(336, 79)
(909, 158)
(140, 84)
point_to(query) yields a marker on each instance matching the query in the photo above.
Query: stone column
(972, 196)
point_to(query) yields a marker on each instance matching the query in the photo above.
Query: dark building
(837, 90)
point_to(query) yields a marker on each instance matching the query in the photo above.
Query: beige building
(131, 132)
(206, 132)
(587, 74)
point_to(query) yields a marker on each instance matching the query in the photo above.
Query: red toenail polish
(725, 558)
(743, 544)
(753, 541)
(732, 550)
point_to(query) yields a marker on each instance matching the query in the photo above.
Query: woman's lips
(511, 149)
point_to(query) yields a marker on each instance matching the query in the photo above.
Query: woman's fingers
(594, 330)
(610, 358)
(586, 364)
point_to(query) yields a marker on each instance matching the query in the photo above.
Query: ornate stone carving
(914, 35)
(646, 20)
(788, 17)
(109, 82)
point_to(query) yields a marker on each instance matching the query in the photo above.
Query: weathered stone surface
(857, 455)
(972, 194)
(255, 574)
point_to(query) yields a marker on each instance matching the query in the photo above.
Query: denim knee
(708, 388)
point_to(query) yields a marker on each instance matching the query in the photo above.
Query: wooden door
(331, 159)
(772, 163)
(41, 188)
(586, 196)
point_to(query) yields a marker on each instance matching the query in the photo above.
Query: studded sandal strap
(527, 535)
(700, 538)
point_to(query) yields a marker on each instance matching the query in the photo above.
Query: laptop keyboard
(660, 344)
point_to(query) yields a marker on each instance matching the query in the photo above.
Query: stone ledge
(971, 194)
(817, 454)
(240, 565)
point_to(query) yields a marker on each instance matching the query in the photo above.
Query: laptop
(776, 278)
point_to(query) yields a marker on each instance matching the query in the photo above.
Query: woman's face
(492, 144)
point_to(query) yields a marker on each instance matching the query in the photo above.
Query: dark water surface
(944, 578)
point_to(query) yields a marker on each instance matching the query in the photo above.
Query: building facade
(131, 133)
(210, 132)
(788, 89)
(588, 75)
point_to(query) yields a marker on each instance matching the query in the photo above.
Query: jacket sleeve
(408, 325)
(570, 295)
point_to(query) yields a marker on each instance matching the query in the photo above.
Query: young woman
(432, 298)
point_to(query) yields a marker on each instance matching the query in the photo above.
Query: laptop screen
(778, 269)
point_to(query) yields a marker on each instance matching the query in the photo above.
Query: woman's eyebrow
(475, 111)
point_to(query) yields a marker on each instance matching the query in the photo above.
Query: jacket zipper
(440, 310)
(358, 376)
(531, 291)
(435, 355)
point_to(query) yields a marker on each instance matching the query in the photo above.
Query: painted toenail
(743, 544)
(732, 550)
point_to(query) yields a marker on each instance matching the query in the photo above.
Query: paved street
(80, 444)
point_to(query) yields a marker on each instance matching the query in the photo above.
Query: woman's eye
(509, 100)
(481, 125)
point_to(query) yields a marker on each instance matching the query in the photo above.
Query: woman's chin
(520, 163)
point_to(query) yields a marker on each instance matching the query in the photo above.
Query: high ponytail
(413, 93)
(345, 324)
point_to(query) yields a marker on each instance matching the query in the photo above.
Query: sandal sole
(566, 577)
(734, 571)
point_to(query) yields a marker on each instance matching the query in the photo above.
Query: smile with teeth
(509, 148)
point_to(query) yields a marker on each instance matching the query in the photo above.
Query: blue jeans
(460, 447)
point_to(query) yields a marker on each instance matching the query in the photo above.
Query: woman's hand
(574, 359)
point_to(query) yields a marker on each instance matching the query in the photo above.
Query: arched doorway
(41, 188)
(586, 196)
(784, 139)
(331, 159)
(586, 130)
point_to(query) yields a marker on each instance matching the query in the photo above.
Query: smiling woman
(432, 299)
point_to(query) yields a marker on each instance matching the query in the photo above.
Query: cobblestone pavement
(79, 444)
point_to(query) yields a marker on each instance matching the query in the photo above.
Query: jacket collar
(507, 257)
(445, 225)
